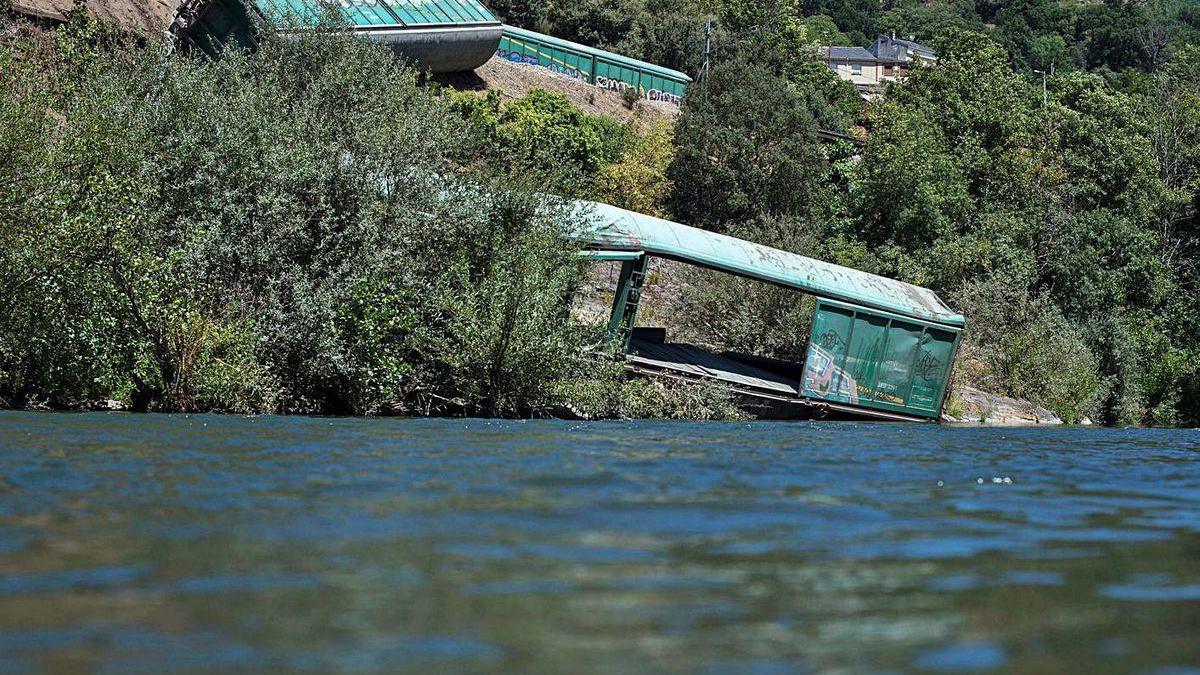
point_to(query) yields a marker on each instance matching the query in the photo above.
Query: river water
(173, 543)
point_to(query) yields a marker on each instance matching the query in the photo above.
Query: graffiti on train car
(601, 82)
(667, 97)
(529, 60)
(620, 86)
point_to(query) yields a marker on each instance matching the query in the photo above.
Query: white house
(853, 64)
(886, 60)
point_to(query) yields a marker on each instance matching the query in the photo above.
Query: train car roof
(614, 229)
(385, 13)
(615, 58)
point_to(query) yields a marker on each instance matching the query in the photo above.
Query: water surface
(172, 543)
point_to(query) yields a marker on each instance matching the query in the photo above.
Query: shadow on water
(169, 543)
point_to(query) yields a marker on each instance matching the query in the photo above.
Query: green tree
(542, 132)
(926, 21)
(286, 231)
(821, 30)
(978, 186)
(638, 181)
(735, 168)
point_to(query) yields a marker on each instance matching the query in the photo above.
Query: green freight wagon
(597, 67)
(437, 35)
(878, 348)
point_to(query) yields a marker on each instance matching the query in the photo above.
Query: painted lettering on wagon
(621, 86)
(518, 57)
(659, 95)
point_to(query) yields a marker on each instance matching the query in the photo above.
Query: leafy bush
(542, 133)
(1024, 347)
(734, 168)
(617, 397)
(747, 316)
(638, 181)
(278, 232)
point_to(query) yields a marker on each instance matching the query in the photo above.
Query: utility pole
(1045, 93)
(708, 33)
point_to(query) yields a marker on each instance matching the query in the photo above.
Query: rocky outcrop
(973, 406)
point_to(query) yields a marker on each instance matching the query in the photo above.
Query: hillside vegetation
(272, 231)
(303, 229)
(1066, 231)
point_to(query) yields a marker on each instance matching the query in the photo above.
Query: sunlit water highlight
(170, 543)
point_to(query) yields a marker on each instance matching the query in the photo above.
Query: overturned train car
(442, 36)
(878, 348)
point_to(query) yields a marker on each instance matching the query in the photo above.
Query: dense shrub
(638, 181)
(279, 232)
(1023, 347)
(734, 168)
(544, 134)
(746, 316)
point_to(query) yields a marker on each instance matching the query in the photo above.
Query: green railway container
(877, 360)
(597, 67)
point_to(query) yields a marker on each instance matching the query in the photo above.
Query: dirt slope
(515, 80)
(147, 16)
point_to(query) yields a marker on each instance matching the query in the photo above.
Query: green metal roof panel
(288, 10)
(615, 59)
(392, 13)
(612, 228)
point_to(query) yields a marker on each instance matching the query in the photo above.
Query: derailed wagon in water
(878, 348)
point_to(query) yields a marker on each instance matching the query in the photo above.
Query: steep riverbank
(271, 232)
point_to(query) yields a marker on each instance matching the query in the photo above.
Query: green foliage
(748, 316)
(616, 397)
(734, 168)
(275, 233)
(822, 30)
(858, 19)
(309, 230)
(1068, 231)
(834, 103)
(670, 33)
(1023, 347)
(542, 133)
(1037, 34)
(925, 21)
(667, 32)
(638, 181)
(1076, 209)
(911, 188)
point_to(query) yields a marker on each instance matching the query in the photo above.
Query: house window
(856, 69)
